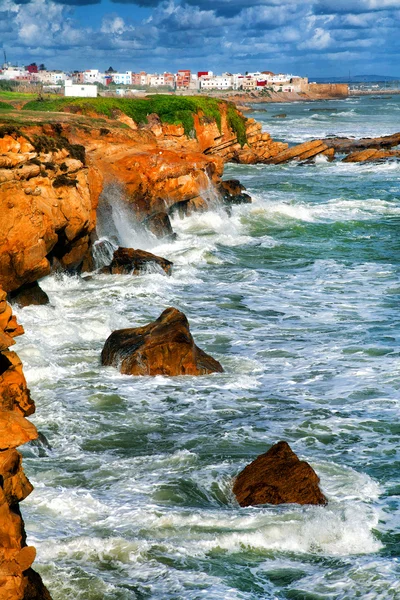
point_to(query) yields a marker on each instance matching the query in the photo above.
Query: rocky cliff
(17, 580)
(53, 172)
(48, 199)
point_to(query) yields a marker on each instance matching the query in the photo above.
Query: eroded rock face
(164, 347)
(47, 205)
(133, 262)
(278, 477)
(17, 580)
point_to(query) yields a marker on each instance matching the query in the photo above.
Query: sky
(314, 38)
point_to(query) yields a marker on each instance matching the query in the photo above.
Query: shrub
(237, 123)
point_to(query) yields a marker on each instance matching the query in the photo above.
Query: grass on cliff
(175, 110)
(5, 107)
(237, 122)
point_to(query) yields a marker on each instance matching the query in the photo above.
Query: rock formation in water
(17, 580)
(357, 150)
(164, 347)
(278, 477)
(133, 262)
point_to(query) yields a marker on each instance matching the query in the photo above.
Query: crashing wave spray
(116, 222)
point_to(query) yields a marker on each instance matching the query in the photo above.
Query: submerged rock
(132, 262)
(164, 347)
(278, 477)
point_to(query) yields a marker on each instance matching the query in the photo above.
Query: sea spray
(116, 220)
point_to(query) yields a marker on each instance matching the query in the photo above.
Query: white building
(51, 77)
(78, 90)
(157, 80)
(93, 76)
(8, 72)
(216, 82)
(122, 78)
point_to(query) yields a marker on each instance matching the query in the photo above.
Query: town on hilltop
(183, 80)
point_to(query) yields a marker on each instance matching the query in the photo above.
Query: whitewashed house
(216, 82)
(51, 77)
(93, 76)
(79, 90)
(122, 78)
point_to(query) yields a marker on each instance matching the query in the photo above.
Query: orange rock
(164, 347)
(305, 150)
(5, 341)
(16, 486)
(278, 477)
(14, 393)
(15, 430)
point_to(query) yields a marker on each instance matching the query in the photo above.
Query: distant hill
(355, 79)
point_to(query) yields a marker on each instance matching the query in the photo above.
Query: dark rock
(278, 477)
(164, 347)
(159, 224)
(133, 262)
(34, 588)
(232, 192)
(28, 295)
(280, 116)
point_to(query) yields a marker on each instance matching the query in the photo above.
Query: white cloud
(320, 40)
(215, 34)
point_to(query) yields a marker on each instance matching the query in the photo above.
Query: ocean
(297, 295)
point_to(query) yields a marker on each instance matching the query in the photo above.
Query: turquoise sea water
(297, 295)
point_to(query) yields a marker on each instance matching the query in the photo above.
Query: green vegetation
(15, 95)
(176, 110)
(4, 106)
(237, 123)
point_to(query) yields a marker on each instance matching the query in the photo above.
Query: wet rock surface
(30, 294)
(233, 192)
(133, 262)
(278, 477)
(164, 347)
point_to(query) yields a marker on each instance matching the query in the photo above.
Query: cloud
(283, 35)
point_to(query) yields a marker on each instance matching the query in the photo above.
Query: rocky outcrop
(233, 192)
(345, 145)
(17, 580)
(300, 152)
(371, 155)
(164, 347)
(47, 205)
(278, 477)
(134, 262)
(30, 294)
(357, 150)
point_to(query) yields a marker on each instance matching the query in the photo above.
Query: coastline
(166, 162)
